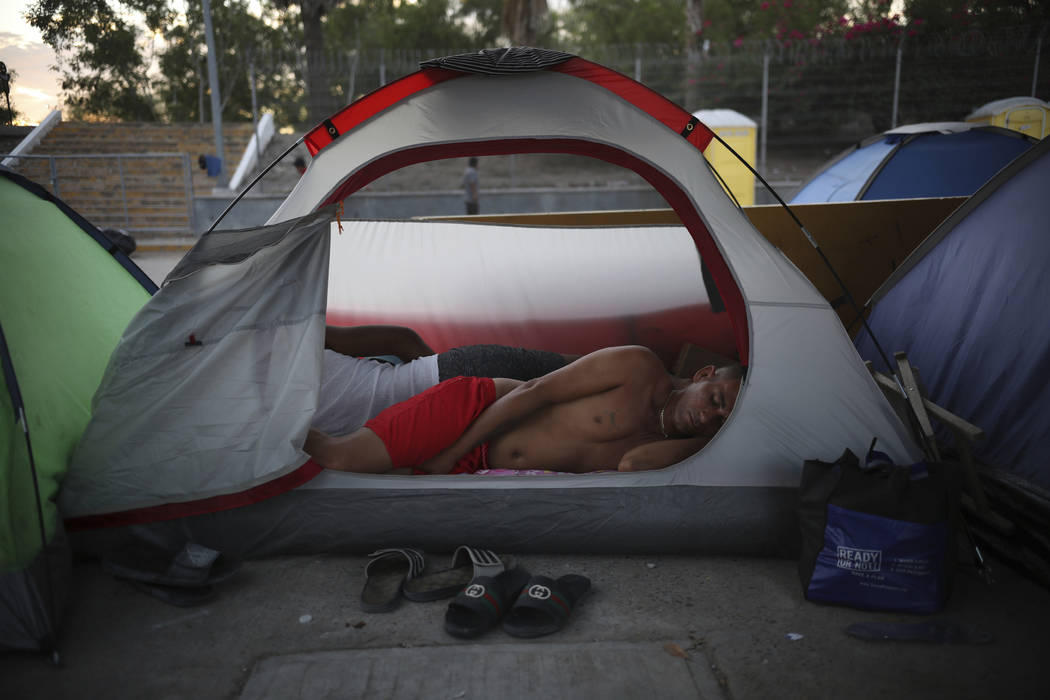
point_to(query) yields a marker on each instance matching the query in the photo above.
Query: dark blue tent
(969, 308)
(950, 159)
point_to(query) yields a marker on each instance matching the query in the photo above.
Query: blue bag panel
(878, 563)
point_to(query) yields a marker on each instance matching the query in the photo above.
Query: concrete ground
(652, 627)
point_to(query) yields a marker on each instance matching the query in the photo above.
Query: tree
(738, 21)
(103, 71)
(141, 60)
(593, 23)
(318, 94)
(940, 15)
(375, 24)
(523, 21)
(241, 38)
(481, 20)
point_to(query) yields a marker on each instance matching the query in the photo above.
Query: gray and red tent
(198, 424)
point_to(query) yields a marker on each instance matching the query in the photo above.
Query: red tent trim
(653, 103)
(171, 511)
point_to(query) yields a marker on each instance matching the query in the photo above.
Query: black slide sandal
(545, 605)
(385, 576)
(468, 564)
(479, 607)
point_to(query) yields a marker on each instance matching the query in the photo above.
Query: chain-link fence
(810, 99)
(815, 95)
(812, 84)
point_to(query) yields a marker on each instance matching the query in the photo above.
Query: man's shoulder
(633, 357)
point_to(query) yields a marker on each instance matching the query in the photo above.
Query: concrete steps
(110, 173)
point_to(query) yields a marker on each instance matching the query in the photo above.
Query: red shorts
(421, 427)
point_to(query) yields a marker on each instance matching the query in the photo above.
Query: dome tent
(807, 394)
(965, 306)
(68, 292)
(942, 159)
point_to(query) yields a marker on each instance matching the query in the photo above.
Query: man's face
(705, 404)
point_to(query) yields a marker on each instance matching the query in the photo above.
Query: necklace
(662, 409)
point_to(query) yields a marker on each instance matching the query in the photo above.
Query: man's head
(300, 164)
(703, 406)
(473, 162)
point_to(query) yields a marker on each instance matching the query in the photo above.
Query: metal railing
(141, 193)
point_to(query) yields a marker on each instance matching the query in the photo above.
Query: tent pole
(765, 110)
(1038, 50)
(820, 252)
(251, 184)
(897, 83)
(20, 418)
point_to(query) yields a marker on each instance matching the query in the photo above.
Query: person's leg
(410, 432)
(499, 361)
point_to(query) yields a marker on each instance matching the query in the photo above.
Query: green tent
(66, 295)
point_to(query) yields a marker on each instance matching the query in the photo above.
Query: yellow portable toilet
(739, 132)
(1029, 115)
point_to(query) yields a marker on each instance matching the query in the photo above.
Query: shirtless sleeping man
(616, 408)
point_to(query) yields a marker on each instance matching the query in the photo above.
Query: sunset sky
(34, 91)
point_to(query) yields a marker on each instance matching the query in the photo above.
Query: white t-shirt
(354, 390)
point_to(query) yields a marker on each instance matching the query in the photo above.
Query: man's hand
(442, 463)
(659, 454)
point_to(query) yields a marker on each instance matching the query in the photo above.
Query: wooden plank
(864, 241)
(971, 431)
(965, 434)
(917, 403)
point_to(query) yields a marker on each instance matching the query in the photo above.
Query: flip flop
(468, 564)
(545, 605)
(386, 574)
(479, 607)
(193, 566)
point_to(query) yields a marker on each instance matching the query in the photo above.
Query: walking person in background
(470, 186)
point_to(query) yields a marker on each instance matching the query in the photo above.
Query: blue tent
(948, 159)
(969, 308)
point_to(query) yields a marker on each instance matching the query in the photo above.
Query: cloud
(35, 89)
(33, 94)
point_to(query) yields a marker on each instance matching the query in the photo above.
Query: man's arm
(659, 454)
(591, 374)
(362, 341)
